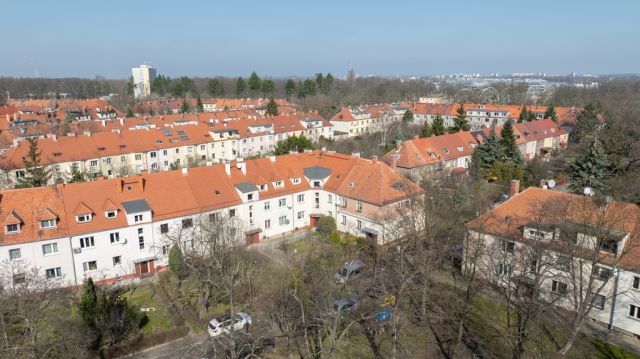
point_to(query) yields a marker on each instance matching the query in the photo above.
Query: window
(90, 265)
(250, 197)
(358, 206)
(117, 260)
(558, 287)
(283, 220)
(533, 266)
(47, 224)
(19, 278)
(214, 217)
(140, 238)
(300, 198)
(13, 228)
(636, 282)
(267, 206)
(359, 224)
(343, 202)
(602, 273)
(94, 163)
(111, 214)
(87, 242)
(53, 273)
(296, 180)
(278, 184)
(508, 246)
(316, 184)
(267, 223)
(282, 202)
(123, 159)
(153, 154)
(634, 311)
(344, 219)
(536, 234)
(50, 248)
(330, 200)
(137, 218)
(165, 249)
(597, 300)
(563, 263)
(301, 215)
(187, 223)
(83, 218)
(15, 254)
(115, 237)
(164, 152)
(138, 157)
(502, 269)
(232, 213)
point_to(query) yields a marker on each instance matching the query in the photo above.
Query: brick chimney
(514, 188)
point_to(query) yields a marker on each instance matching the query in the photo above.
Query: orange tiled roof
(536, 205)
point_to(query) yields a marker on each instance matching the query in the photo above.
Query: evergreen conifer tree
(36, 175)
(589, 170)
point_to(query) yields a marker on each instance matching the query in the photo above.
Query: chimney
(374, 158)
(185, 170)
(120, 185)
(141, 182)
(394, 159)
(514, 188)
(241, 165)
(121, 121)
(227, 168)
(104, 123)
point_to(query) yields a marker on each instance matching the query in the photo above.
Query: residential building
(120, 229)
(143, 77)
(578, 252)
(422, 157)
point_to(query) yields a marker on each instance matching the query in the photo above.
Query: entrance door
(314, 221)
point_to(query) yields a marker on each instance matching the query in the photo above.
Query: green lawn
(145, 297)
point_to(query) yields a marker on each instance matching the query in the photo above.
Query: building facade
(121, 229)
(143, 77)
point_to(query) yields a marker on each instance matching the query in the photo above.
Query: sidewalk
(185, 347)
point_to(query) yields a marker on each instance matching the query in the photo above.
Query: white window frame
(87, 242)
(86, 266)
(48, 224)
(53, 246)
(56, 273)
(84, 218)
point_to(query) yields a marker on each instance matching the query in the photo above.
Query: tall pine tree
(36, 175)
(272, 107)
(460, 122)
(241, 86)
(508, 142)
(551, 113)
(438, 126)
(589, 170)
(490, 151)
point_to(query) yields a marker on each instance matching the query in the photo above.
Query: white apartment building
(143, 77)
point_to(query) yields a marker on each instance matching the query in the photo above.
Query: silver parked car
(223, 325)
(350, 270)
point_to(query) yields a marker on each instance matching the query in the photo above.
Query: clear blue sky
(281, 38)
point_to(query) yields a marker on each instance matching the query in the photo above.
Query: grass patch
(145, 297)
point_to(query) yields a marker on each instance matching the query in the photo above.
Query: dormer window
(83, 218)
(295, 180)
(279, 184)
(48, 224)
(138, 218)
(432, 154)
(263, 187)
(446, 150)
(12, 228)
(111, 214)
(460, 148)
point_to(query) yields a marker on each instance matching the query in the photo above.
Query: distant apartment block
(143, 77)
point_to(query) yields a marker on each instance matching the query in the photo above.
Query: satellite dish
(551, 183)
(587, 191)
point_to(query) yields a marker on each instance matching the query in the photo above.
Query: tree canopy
(293, 143)
(36, 175)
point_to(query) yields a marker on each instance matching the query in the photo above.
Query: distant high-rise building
(351, 76)
(143, 77)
